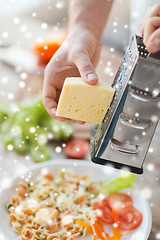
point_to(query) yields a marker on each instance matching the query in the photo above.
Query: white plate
(95, 172)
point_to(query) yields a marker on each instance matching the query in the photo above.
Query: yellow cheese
(84, 102)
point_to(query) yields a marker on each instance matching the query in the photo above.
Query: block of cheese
(84, 102)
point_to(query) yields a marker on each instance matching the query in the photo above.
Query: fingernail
(155, 44)
(91, 77)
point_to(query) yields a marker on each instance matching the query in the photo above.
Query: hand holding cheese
(80, 101)
(79, 53)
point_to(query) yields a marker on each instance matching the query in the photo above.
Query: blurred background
(30, 33)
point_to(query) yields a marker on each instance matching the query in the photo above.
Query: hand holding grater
(123, 138)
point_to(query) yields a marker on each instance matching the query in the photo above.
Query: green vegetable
(55, 127)
(5, 110)
(119, 183)
(60, 130)
(21, 145)
(40, 154)
(66, 130)
(6, 131)
(27, 125)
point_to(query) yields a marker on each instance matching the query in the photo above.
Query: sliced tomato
(76, 148)
(103, 211)
(127, 218)
(119, 200)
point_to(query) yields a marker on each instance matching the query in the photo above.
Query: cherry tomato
(116, 200)
(103, 211)
(76, 148)
(127, 218)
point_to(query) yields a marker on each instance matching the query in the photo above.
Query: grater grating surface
(114, 140)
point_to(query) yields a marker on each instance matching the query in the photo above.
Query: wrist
(81, 29)
(89, 15)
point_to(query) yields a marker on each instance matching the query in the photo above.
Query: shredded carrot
(117, 235)
(96, 229)
(95, 237)
(83, 224)
(112, 238)
(107, 235)
(100, 226)
(99, 230)
(116, 232)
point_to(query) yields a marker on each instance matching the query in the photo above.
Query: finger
(153, 11)
(49, 92)
(48, 97)
(54, 115)
(142, 24)
(75, 121)
(97, 54)
(85, 68)
(151, 25)
(153, 43)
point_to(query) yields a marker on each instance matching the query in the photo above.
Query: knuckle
(76, 52)
(86, 67)
(46, 70)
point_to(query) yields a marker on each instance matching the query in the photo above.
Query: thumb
(86, 69)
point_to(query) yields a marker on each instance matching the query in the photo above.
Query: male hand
(78, 56)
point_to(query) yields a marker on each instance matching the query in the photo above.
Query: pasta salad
(69, 206)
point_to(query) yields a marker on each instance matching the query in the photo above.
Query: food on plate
(119, 183)
(81, 101)
(26, 127)
(67, 206)
(127, 217)
(76, 148)
(121, 199)
(105, 211)
(46, 48)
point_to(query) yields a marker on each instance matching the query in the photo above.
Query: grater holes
(124, 147)
(143, 95)
(132, 121)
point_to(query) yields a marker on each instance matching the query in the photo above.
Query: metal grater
(123, 138)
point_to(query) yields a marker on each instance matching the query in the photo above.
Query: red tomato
(116, 200)
(127, 218)
(103, 211)
(76, 148)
